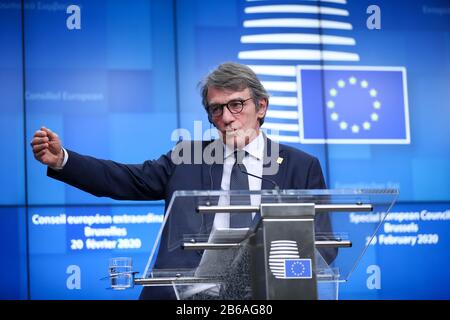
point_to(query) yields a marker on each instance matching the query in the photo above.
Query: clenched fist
(47, 148)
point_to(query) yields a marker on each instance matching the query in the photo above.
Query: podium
(300, 244)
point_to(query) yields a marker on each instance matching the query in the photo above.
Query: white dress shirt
(254, 164)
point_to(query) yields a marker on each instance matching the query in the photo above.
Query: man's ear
(263, 103)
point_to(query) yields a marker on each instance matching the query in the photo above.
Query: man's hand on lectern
(46, 147)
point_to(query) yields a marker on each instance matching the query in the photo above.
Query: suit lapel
(274, 166)
(211, 180)
(212, 173)
(216, 170)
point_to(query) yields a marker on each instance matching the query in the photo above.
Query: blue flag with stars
(353, 105)
(298, 269)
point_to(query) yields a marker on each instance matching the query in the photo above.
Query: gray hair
(236, 77)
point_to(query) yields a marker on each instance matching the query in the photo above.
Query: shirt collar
(254, 148)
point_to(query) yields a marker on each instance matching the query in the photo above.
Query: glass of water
(121, 273)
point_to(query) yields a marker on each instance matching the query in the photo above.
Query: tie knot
(239, 156)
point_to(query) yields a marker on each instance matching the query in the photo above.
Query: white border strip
(284, 101)
(284, 86)
(274, 70)
(297, 23)
(292, 127)
(295, 8)
(330, 1)
(279, 114)
(298, 38)
(298, 54)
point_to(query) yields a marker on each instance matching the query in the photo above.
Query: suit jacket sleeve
(315, 179)
(105, 178)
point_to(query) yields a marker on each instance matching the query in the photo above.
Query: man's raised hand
(46, 147)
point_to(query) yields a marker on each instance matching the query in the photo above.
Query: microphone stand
(276, 187)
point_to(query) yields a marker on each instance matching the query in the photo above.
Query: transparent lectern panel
(197, 246)
(355, 227)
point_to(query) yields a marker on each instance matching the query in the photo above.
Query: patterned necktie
(239, 181)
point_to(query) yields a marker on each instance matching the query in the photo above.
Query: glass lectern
(300, 244)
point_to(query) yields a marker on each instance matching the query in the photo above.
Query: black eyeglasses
(234, 106)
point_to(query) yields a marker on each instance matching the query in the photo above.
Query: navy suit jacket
(159, 179)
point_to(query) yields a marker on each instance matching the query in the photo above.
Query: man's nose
(227, 116)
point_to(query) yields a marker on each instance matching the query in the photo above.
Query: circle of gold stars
(298, 273)
(334, 115)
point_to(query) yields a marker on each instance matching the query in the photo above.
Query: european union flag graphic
(298, 269)
(353, 104)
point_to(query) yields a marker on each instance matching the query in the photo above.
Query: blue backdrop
(366, 91)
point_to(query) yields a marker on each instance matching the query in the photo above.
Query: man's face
(237, 130)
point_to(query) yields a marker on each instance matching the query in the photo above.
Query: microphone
(275, 185)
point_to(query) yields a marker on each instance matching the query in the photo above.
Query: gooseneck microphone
(275, 185)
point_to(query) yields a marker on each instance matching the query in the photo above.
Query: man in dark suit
(236, 103)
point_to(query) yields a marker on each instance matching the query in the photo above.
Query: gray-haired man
(236, 103)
